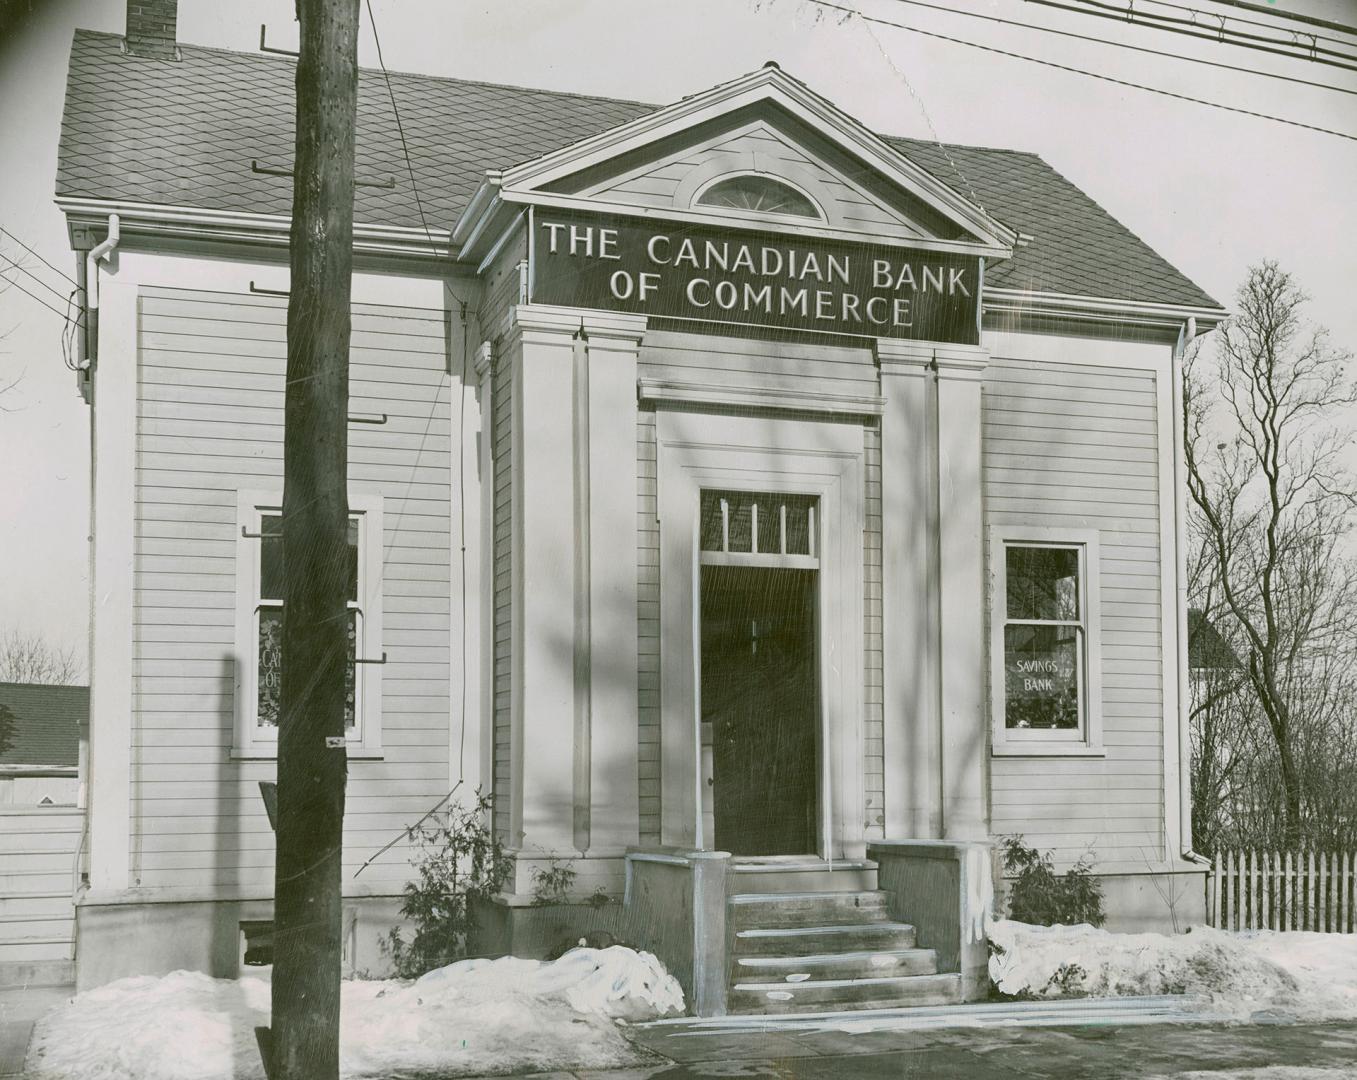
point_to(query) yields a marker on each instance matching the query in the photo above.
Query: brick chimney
(151, 28)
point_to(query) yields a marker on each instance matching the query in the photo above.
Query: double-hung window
(1044, 642)
(259, 625)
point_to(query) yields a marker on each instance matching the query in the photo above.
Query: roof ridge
(379, 72)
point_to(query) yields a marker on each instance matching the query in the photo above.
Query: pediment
(763, 125)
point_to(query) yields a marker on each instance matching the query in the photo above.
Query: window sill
(1052, 749)
(263, 753)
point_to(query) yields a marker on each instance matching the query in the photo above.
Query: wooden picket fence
(1271, 890)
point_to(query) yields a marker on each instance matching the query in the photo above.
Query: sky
(1213, 191)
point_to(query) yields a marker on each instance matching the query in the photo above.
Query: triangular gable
(762, 123)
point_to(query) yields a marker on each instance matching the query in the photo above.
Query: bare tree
(1272, 504)
(27, 657)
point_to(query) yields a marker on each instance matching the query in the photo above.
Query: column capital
(551, 324)
(898, 356)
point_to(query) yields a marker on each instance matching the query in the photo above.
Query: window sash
(268, 733)
(1078, 733)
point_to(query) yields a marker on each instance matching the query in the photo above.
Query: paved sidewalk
(1094, 1052)
(20, 1008)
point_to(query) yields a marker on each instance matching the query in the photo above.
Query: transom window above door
(758, 529)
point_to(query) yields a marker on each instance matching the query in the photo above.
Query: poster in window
(1041, 677)
(271, 669)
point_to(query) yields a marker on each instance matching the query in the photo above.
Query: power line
(1294, 16)
(1243, 19)
(40, 259)
(1117, 44)
(1082, 71)
(25, 270)
(1191, 28)
(461, 454)
(400, 130)
(10, 281)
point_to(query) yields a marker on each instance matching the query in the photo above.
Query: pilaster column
(479, 443)
(574, 579)
(961, 574)
(614, 768)
(911, 728)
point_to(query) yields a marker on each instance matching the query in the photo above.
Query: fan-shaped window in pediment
(760, 195)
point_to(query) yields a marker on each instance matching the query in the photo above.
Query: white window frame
(250, 741)
(1087, 739)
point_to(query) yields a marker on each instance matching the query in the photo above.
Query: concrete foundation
(132, 934)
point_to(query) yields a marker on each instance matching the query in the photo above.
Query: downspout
(88, 328)
(1185, 338)
(102, 250)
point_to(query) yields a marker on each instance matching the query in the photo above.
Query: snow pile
(475, 1016)
(1305, 975)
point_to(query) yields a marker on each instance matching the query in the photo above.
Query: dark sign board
(687, 271)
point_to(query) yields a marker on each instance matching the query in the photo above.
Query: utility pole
(312, 763)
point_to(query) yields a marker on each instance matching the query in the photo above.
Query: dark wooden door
(760, 694)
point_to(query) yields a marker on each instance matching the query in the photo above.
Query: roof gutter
(230, 226)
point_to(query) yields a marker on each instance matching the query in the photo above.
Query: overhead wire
(35, 255)
(32, 276)
(1081, 71)
(1201, 32)
(1294, 16)
(460, 435)
(1119, 45)
(10, 281)
(1246, 21)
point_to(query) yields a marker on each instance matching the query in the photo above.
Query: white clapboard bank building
(769, 513)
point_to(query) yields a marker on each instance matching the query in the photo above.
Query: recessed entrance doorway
(760, 686)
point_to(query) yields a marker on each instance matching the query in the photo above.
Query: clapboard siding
(648, 626)
(210, 422)
(38, 875)
(657, 184)
(1077, 447)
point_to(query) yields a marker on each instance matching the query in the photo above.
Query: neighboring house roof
(184, 134)
(47, 723)
(1207, 649)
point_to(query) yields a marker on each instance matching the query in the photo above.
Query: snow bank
(475, 1016)
(1303, 975)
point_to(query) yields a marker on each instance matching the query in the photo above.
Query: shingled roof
(46, 723)
(184, 134)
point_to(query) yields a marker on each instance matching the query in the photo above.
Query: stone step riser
(853, 938)
(808, 997)
(867, 965)
(821, 909)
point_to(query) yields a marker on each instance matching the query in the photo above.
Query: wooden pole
(312, 763)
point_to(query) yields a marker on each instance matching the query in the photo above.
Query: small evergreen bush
(1041, 896)
(460, 860)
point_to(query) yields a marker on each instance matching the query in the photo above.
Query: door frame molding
(699, 450)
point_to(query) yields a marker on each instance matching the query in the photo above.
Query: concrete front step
(786, 909)
(813, 940)
(821, 995)
(780, 873)
(885, 963)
